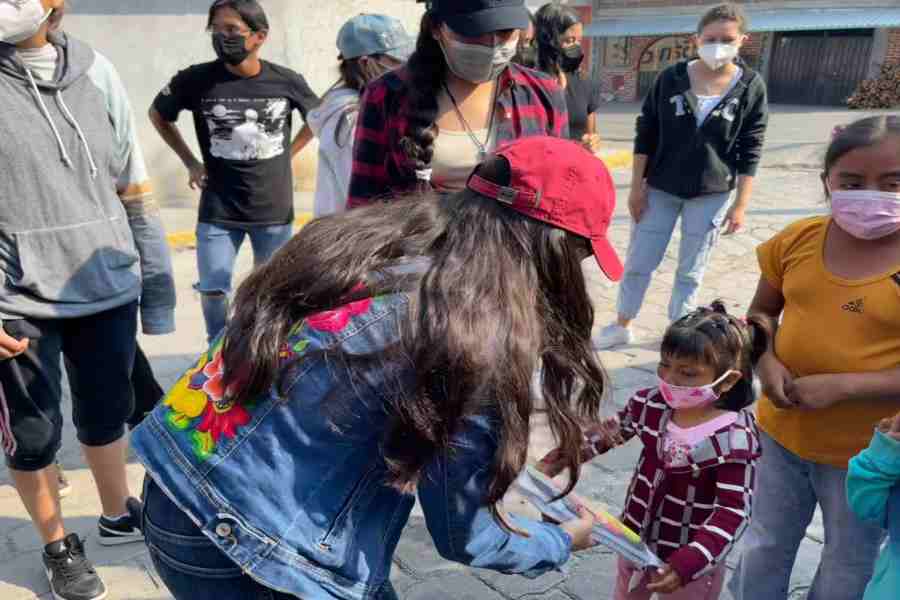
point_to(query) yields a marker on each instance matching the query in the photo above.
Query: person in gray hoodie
(82, 253)
(369, 46)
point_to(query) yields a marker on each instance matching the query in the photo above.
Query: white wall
(150, 40)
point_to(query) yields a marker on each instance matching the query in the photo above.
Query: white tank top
(455, 157)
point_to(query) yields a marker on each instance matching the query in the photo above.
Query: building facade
(809, 51)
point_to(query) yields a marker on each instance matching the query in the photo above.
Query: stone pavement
(783, 195)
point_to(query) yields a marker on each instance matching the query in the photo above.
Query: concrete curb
(186, 240)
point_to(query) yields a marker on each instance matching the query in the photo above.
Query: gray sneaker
(612, 336)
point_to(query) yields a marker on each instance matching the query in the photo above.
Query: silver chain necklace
(482, 147)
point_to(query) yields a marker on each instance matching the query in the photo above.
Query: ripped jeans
(217, 249)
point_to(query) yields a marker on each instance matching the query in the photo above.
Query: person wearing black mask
(558, 33)
(242, 108)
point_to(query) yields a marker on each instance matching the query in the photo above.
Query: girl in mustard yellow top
(834, 371)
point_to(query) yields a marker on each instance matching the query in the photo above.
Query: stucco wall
(150, 40)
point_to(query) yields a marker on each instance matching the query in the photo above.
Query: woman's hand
(735, 219)
(637, 201)
(891, 427)
(776, 380)
(580, 530)
(665, 581)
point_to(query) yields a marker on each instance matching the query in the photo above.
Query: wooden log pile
(880, 92)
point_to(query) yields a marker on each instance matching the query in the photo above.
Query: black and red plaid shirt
(692, 515)
(529, 103)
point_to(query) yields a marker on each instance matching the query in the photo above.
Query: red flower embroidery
(224, 423)
(334, 321)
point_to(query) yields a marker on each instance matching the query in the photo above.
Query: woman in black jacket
(699, 138)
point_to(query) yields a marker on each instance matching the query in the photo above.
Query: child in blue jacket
(873, 489)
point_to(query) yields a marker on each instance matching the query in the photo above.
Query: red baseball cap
(560, 183)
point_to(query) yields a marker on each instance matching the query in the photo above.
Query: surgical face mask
(230, 48)
(570, 58)
(866, 214)
(477, 63)
(717, 56)
(21, 19)
(679, 397)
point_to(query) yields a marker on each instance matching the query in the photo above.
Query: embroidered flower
(334, 321)
(219, 422)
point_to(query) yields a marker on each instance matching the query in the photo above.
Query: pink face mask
(866, 214)
(678, 396)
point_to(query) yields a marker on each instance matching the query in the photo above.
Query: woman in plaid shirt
(692, 490)
(458, 98)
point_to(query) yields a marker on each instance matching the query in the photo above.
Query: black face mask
(570, 58)
(230, 48)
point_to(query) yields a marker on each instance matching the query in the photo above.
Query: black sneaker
(65, 488)
(124, 530)
(71, 575)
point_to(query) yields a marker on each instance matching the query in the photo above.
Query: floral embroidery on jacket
(199, 406)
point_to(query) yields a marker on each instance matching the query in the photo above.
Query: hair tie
(838, 130)
(424, 174)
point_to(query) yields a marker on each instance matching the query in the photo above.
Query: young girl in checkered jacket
(691, 494)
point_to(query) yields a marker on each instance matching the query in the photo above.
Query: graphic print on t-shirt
(246, 128)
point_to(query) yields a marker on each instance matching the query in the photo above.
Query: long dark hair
(501, 291)
(712, 336)
(356, 77)
(427, 70)
(551, 21)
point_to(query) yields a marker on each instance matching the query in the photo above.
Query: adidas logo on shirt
(855, 306)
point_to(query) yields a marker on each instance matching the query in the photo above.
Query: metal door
(818, 67)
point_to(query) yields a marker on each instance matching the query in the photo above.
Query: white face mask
(477, 63)
(21, 19)
(717, 56)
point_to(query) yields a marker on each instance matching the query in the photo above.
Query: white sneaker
(611, 336)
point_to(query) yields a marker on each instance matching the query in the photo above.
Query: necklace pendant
(482, 155)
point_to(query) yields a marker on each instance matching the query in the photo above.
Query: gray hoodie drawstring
(87, 149)
(40, 101)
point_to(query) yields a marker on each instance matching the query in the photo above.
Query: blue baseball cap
(473, 18)
(365, 35)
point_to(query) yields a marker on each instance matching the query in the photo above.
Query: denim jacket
(292, 486)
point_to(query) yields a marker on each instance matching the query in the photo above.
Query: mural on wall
(617, 51)
(667, 51)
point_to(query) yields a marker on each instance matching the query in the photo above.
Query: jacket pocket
(82, 263)
(336, 529)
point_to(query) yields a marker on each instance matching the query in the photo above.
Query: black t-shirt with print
(244, 130)
(582, 100)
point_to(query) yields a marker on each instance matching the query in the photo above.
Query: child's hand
(665, 581)
(891, 427)
(607, 433)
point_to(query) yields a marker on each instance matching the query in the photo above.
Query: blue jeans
(701, 219)
(217, 249)
(787, 491)
(191, 566)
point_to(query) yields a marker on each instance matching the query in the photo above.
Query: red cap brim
(608, 259)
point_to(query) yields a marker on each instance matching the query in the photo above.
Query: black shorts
(99, 352)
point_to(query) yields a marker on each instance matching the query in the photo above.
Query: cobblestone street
(784, 193)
